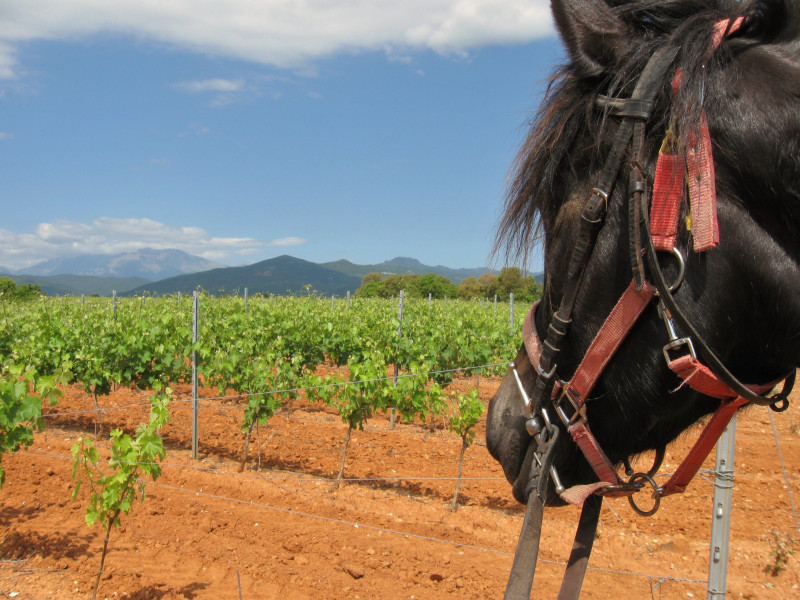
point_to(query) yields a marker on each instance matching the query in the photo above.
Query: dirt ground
(277, 530)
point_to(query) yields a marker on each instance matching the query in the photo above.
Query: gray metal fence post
(511, 309)
(494, 312)
(114, 303)
(195, 398)
(245, 300)
(430, 299)
(348, 299)
(721, 519)
(396, 365)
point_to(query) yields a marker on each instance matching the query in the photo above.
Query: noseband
(555, 403)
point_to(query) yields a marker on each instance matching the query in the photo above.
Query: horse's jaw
(508, 440)
(506, 437)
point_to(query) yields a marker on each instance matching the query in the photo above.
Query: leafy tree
(509, 281)
(8, 288)
(435, 285)
(10, 291)
(371, 289)
(469, 288)
(371, 278)
(488, 284)
(531, 291)
(392, 285)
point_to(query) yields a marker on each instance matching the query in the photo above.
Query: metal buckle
(677, 344)
(674, 340)
(579, 410)
(542, 374)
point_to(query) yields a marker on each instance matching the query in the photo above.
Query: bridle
(555, 404)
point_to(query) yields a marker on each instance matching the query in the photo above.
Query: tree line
(9, 290)
(510, 280)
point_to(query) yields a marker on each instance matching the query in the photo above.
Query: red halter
(673, 175)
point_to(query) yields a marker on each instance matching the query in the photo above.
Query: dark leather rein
(566, 399)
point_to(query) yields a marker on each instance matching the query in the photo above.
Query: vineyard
(334, 442)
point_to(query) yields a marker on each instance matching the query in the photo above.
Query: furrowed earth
(279, 531)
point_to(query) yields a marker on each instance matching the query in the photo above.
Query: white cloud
(276, 32)
(6, 136)
(211, 85)
(107, 235)
(288, 241)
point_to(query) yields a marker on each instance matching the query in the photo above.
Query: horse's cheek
(506, 438)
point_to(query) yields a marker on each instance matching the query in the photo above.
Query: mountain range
(171, 271)
(147, 263)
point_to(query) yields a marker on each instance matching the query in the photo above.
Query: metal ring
(681, 270)
(656, 495)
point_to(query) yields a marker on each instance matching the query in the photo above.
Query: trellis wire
(785, 476)
(277, 392)
(659, 579)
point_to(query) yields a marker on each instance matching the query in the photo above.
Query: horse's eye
(754, 27)
(763, 23)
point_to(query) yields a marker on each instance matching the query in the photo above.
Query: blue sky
(325, 130)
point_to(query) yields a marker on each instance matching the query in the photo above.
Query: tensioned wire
(659, 579)
(408, 375)
(305, 478)
(277, 392)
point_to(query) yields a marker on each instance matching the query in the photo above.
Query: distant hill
(404, 266)
(80, 285)
(147, 264)
(185, 273)
(282, 275)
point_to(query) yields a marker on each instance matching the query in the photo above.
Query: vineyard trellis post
(114, 303)
(511, 309)
(721, 518)
(195, 399)
(245, 300)
(494, 313)
(348, 299)
(396, 364)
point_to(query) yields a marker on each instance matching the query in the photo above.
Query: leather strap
(581, 549)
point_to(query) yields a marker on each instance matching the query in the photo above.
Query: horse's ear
(593, 34)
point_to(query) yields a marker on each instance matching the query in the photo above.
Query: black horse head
(742, 296)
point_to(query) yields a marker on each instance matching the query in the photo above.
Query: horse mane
(566, 139)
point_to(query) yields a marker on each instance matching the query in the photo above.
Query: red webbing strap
(608, 339)
(668, 188)
(594, 454)
(707, 440)
(703, 380)
(699, 377)
(605, 344)
(699, 167)
(723, 28)
(702, 188)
